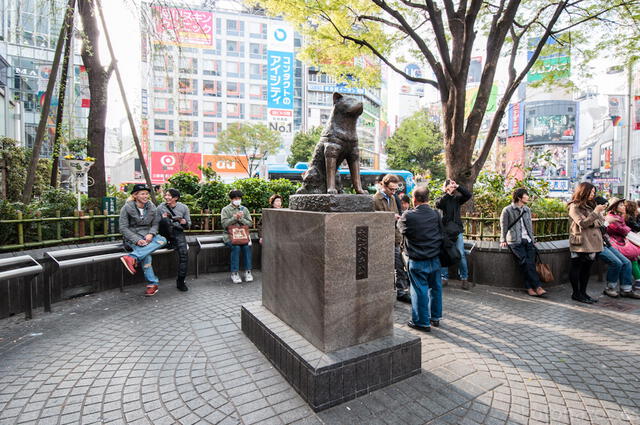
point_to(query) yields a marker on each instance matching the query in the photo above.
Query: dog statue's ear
(336, 97)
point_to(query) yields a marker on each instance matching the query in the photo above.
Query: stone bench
(23, 266)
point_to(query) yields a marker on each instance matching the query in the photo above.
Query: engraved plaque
(362, 252)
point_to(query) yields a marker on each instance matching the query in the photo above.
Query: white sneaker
(235, 277)
(248, 277)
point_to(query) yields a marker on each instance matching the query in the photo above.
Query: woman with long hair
(618, 231)
(631, 215)
(585, 239)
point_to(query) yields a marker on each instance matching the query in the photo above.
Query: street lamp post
(627, 172)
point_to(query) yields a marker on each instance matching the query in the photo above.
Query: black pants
(402, 280)
(579, 271)
(525, 253)
(176, 238)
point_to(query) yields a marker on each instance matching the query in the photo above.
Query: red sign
(166, 164)
(86, 103)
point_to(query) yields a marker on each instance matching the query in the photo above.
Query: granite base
(328, 379)
(331, 203)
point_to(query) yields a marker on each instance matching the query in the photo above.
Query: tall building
(204, 69)
(29, 32)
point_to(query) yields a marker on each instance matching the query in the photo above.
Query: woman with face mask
(139, 227)
(236, 214)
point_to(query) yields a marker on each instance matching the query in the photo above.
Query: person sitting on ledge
(236, 214)
(175, 220)
(516, 232)
(139, 227)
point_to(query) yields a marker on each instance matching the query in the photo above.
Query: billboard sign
(554, 60)
(413, 88)
(183, 27)
(475, 70)
(335, 88)
(166, 164)
(515, 125)
(280, 75)
(557, 164)
(226, 164)
(550, 122)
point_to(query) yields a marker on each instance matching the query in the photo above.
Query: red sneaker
(151, 290)
(129, 263)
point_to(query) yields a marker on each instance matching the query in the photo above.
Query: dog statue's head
(348, 106)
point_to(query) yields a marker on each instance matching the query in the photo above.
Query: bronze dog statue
(339, 141)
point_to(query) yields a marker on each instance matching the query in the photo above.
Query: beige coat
(585, 234)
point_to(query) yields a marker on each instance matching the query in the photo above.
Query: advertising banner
(636, 105)
(616, 109)
(475, 70)
(555, 165)
(280, 77)
(550, 122)
(183, 27)
(472, 94)
(166, 164)
(226, 164)
(554, 60)
(515, 126)
(412, 88)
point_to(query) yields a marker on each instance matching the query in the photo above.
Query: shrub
(282, 187)
(255, 193)
(213, 195)
(186, 182)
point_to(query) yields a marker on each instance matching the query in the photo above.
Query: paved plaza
(500, 357)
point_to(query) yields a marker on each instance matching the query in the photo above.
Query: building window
(211, 88)
(217, 51)
(258, 112)
(188, 107)
(236, 69)
(162, 84)
(188, 128)
(257, 51)
(258, 92)
(219, 26)
(211, 129)
(257, 71)
(187, 86)
(235, 48)
(188, 65)
(208, 149)
(235, 90)
(258, 30)
(162, 106)
(163, 127)
(162, 62)
(235, 110)
(211, 67)
(212, 109)
(235, 27)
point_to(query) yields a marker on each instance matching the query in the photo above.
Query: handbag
(634, 238)
(238, 235)
(544, 270)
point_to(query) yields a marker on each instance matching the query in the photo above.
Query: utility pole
(627, 172)
(64, 76)
(44, 114)
(132, 125)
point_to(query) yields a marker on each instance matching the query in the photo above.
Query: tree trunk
(98, 83)
(61, 99)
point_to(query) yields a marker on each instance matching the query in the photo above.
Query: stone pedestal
(327, 292)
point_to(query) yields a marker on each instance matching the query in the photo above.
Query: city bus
(367, 175)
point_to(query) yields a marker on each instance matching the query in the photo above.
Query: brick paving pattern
(499, 357)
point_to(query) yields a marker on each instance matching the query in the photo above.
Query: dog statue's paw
(332, 191)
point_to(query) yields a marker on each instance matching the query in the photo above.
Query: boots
(181, 285)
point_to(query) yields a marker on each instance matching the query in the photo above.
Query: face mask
(236, 203)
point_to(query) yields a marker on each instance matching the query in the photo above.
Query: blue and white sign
(589, 159)
(280, 77)
(414, 71)
(558, 185)
(334, 88)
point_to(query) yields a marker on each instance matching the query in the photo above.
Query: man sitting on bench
(175, 220)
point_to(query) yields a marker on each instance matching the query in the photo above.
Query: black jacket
(450, 207)
(422, 232)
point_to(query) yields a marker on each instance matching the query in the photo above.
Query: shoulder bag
(239, 234)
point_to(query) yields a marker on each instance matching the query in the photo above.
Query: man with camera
(175, 220)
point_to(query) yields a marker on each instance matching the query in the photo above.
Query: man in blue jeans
(449, 204)
(422, 231)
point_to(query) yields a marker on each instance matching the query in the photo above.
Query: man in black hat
(175, 220)
(139, 227)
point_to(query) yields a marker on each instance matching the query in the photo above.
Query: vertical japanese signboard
(280, 75)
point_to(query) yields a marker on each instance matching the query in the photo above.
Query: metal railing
(24, 233)
(39, 232)
(544, 228)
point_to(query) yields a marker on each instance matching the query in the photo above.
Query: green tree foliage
(250, 141)
(17, 158)
(284, 188)
(417, 146)
(342, 37)
(303, 144)
(186, 182)
(213, 195)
